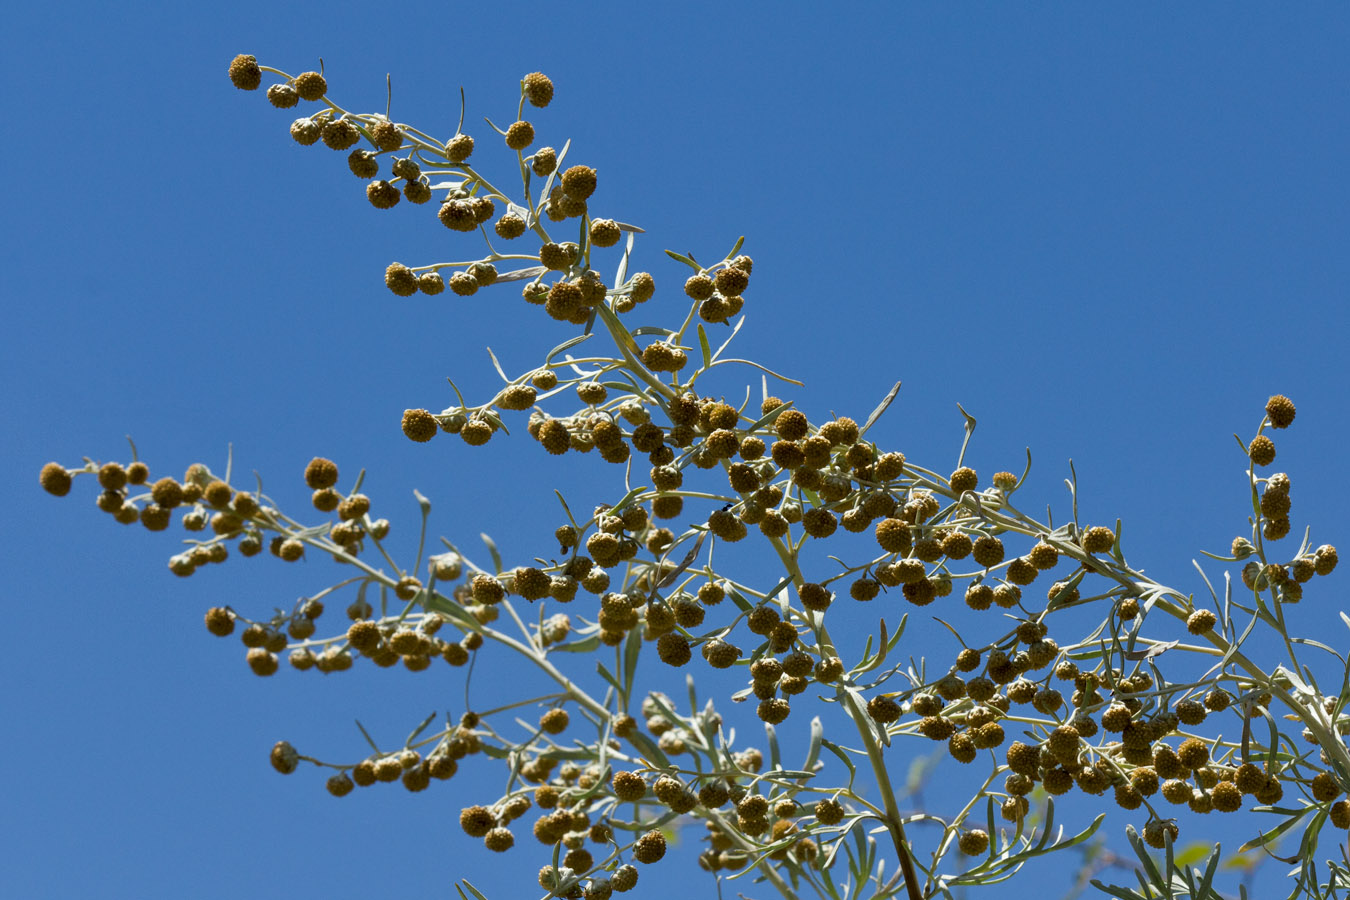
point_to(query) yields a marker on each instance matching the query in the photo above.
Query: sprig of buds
(1094, 712)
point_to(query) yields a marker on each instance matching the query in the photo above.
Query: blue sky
(1109, 233)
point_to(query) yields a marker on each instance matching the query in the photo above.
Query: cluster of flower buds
(1122, 728)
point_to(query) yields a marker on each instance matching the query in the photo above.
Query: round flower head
(400, 279)
(284, 758)
(650, 847)
(1325, 559)
(554, 721)
(964, 479)
(363, 164)
(458, 215)
(543, 161)
(418, 192)
(988, 551)
(1098, 539)
(261, 662)
(476, 433)
(55, 479)
(340, 134)
(244, 72)
(430, 283)
(731, 281)
(538, 89)
(509, 227)
(974, 842)
(386, 136)
(463, 285)
(459, 148)
(419, 425)
(382, 194)
(579, 182)
(321, 473)
(520, 135)
(605, 232)
(282, 96)
(1201, 621)
(1261, 450)
(305, 131)
(625, 878)
(1280, 411)
(310, 86)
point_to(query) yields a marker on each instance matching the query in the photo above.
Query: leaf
(678, 257)
(970, 430)
(582, 645)
(813, 750)
(843, 757)
(1268, 836)
(631, 648)
(1194, 852)
(735, 329)
(609, 676)
(496, 365)
(492, 549)
(521, 274)
(1155, 650)
(478, 895)
(686, 562)
(703, 346)
(764, 369)
(419, 729)
(565, 345)
(881, 408)
(369, 740)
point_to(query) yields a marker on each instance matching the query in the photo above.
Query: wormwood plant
(609, 769)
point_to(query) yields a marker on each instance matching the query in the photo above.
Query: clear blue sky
(1110, 233)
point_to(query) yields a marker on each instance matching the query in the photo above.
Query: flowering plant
(609, 768)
